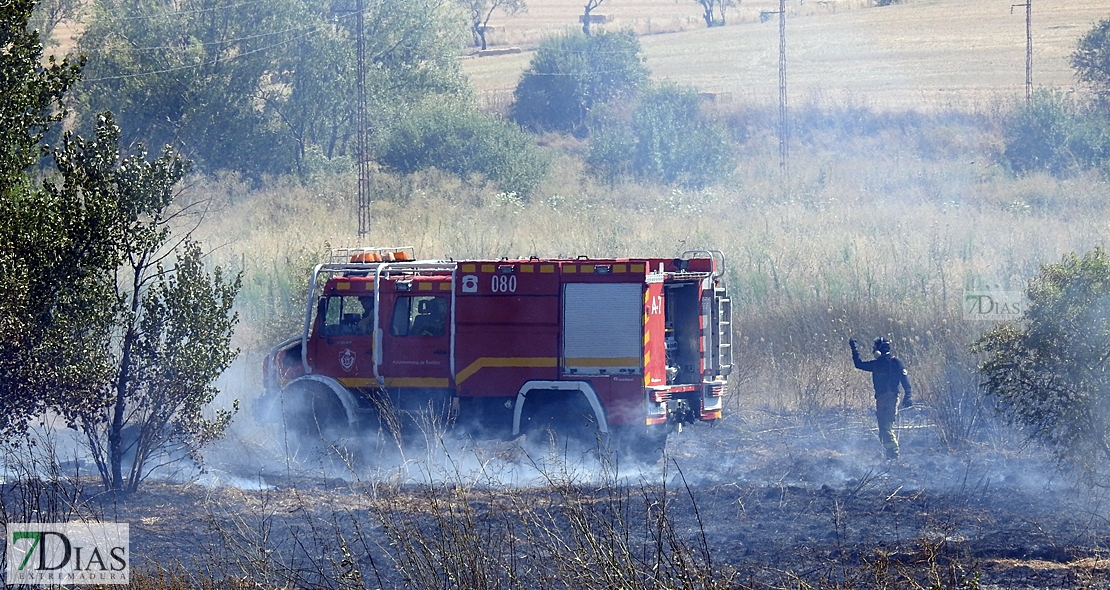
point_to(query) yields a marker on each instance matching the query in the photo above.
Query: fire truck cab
(621, 349)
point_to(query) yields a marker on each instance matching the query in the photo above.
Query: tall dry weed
(877, 228)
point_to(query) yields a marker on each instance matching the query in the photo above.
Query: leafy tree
(48, 14)
(713, 11)
(274, 78)
(571, 74)
(1091, 59)
(411, 51)
(1054, 134)
(34, 261)
(480, 11)
(164, 332)
(30, 93)
(174, 73)
(465, 141)
(72, 338)
(667, 140)
(1049, 374)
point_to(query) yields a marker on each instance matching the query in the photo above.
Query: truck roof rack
(371, 255)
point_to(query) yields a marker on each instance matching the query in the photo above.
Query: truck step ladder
(724, 327)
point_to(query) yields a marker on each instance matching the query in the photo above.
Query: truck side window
(346, 316)
(419, 316)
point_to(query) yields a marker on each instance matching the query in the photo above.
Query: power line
(214, 61)
(180, 12)
(154, 48)
(308, 32)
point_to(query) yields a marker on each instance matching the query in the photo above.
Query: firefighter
(887, 373)
(432, 318)
(366, 322)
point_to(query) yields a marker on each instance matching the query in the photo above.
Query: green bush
(666, 140)
(1047, 374)
(570, 75)
(609, 152)
(465, 142)
(1054, 134)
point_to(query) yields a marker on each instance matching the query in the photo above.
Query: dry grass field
(922, 54)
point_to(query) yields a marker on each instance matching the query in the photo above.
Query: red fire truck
(619, 349)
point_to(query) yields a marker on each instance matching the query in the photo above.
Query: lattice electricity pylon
(784, 127)
(1028, 46)
(360, 121)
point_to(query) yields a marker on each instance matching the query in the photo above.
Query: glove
(852, 345)
(907, 401)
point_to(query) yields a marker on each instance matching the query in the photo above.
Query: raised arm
(856, 360)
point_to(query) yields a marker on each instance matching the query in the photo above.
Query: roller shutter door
(602, 328)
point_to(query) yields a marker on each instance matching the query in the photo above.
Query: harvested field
(918, 55)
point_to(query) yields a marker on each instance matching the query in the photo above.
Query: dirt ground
(777, 500)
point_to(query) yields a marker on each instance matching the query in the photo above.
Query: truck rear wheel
(558, 417)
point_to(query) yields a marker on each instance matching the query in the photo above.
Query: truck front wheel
(314, 414)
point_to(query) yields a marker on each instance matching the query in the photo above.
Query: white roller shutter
(602, 328)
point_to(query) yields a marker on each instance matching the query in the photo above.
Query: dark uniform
(887, 373)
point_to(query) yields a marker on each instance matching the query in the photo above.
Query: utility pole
(360, 122)
(362, 142)
(784, 128)
(1028, 46)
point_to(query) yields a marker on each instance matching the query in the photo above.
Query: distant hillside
(916, 55)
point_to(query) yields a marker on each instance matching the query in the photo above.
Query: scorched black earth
(758, 500)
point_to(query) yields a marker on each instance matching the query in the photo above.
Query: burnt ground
(761, 500)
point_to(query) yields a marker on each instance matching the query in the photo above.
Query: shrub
(1048, 374)
(609, 152)
(667, 140)
(465, 142)
(572, 74)
(1052, 133)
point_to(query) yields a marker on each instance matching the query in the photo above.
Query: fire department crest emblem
(347, 359)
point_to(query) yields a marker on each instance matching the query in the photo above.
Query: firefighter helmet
(881, 346)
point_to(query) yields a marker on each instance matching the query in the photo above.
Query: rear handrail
(717, 256)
